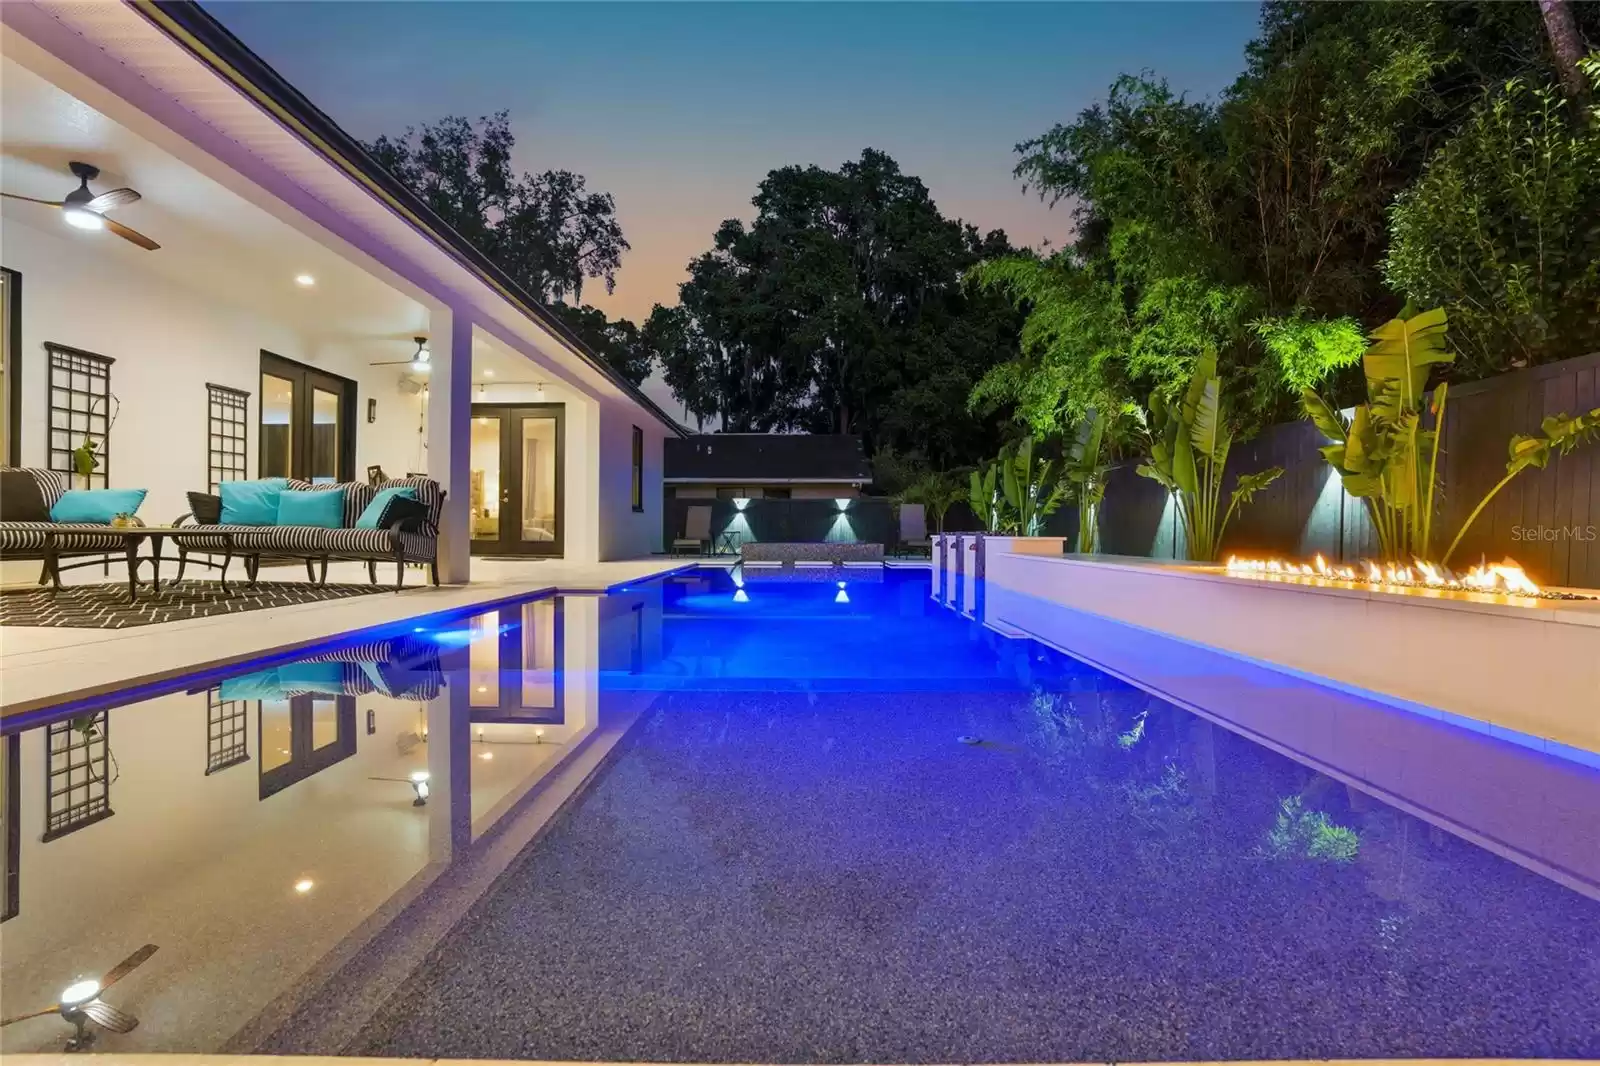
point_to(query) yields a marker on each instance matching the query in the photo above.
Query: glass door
(306, 423)
(516, 487)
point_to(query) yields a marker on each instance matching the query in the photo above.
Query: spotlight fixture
(81, 1004)
(305, 281)
(538, 392)
(538, 736)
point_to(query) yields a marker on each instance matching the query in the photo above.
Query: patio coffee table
(57, 542)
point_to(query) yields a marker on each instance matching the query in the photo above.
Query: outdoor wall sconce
(741, 502)
(419, 785)
(844, 504)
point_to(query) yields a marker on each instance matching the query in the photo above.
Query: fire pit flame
(1503, 577)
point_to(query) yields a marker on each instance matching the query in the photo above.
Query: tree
(1503, 230)
(1256, 226)
(619, 342)
(840, 309)
(1566, 44)
(546, 230)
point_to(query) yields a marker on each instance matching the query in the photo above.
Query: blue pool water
(837, 824)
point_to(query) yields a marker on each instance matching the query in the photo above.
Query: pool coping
(18, 715)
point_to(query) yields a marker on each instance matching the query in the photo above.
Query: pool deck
(46, 666)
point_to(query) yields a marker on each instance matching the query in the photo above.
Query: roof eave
(203, 37)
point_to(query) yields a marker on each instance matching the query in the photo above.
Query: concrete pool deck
(42, 667)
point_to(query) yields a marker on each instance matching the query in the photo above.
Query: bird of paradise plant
(1189, 445)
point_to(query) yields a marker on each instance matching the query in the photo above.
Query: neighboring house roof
(209, 41)
(767, 458)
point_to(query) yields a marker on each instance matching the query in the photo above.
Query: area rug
(107, 607)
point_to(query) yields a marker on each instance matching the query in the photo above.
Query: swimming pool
(820, 822)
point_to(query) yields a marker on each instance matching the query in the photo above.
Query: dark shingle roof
(767, 457)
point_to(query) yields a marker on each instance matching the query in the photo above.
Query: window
(638, 469)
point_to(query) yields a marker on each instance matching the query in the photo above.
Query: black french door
(307, 423)
(517, 492)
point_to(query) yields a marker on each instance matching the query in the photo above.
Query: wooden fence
(1547, 520)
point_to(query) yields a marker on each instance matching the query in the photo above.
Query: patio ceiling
(212, 240)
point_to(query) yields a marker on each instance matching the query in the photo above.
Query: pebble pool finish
(795, 857)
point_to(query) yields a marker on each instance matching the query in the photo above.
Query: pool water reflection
(790, 857)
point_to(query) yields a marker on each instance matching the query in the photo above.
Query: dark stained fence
(1548, 520)
(867, 519)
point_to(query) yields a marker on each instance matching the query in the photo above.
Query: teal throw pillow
(370, 517)
(96, 506)
(324, 509)
(251, 503)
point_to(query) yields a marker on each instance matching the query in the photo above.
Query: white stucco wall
(169, 342)
(624, 532)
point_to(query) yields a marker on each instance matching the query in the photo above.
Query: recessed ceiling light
(304, 885)
(486, 756)
(305, 281)
(488, 373)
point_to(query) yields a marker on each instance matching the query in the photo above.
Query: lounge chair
(913, 530)
(696, 531)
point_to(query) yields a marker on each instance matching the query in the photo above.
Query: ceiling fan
(81, 1003)
(420, 360)
(85, 210)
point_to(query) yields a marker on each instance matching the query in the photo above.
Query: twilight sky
(680, 109)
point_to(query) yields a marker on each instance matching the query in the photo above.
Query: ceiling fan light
(82, 218)
(80, 992)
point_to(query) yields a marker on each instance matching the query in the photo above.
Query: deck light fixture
(305, 281)
(304, 885)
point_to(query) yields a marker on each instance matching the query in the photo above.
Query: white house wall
(168, 343)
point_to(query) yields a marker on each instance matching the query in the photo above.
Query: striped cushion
(379, 544)
(53, 484)
(281, 540)
(357, 494)
(71, 539)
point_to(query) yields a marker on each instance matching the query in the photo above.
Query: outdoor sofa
(406, 533)
(27, 495)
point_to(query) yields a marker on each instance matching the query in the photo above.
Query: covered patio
(300, 316)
